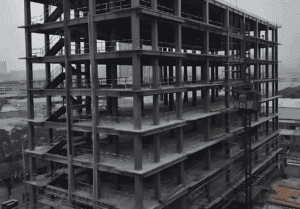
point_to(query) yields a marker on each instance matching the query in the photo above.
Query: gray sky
(285, 12)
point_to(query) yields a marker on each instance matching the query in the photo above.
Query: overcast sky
(285, 12)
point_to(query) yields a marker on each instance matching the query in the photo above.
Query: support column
(180, 173)
(157, 186)
(166, 81)
(267, 108)
(205, 7)
(171, 102)
(206, 128)
(95, 100)
(185, 78)
(30, 104)
(267, 127)
(177, 8)
(194, 78)
(227, 122)
(69, 109)
(139, 192)
(179, 139)
(138, 153)
(156, 139)
(208, 159)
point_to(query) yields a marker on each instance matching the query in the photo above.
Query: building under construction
(145, 91)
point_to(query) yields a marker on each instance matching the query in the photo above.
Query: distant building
(3, 67)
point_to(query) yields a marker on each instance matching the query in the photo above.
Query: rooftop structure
(164, 134)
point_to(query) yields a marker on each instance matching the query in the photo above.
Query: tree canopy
(290, 92)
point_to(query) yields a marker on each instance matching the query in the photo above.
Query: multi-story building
(165, 134)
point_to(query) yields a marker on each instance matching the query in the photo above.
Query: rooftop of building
(285, 193)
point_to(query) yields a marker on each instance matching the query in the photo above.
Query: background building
(166, 134)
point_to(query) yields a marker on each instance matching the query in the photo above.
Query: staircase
(57, 114)
(56, 13)
(56, 48)
(57, 147)
(58, 80)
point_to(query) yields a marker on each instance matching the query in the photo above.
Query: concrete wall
(292, 171)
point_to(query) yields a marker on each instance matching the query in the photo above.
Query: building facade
(165, 135)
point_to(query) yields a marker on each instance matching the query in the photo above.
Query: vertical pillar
(166, 81)
(185, 78)
(30, 105)
(171, 102)
(180, 173)
(156, 139)
(267, 127)
(256, 34)
(95, 100)
(206, 42)
(177, 8)
(139, 197)
(207, 128)
(194, 78)
(134, 3)
(227, 122)
(205, 13)
(155, 68)
(69, 109)
(136, 68)
(154, 5)
(256, 133)
(227, 17)
(157, 186)
(208, 158)
(138, 153)
(179, 139)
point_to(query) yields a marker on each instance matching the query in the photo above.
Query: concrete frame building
(166, 135)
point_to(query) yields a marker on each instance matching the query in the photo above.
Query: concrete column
(205, 13)
(276, 123)
(194, 78)
(267, 89)
(208, 159)
(69, 109)
(116, 142)
(165, 80)
(95, 85)
(206, 99)
(137, 112)
(154, 5)
(136, 62)
(185, 78)
(179, 139)
(138, 153)
(171, 73)
(180, 173)
(206, 42)
(212, 95)
(179, 106)
(227, 122)
(177, 8)
(267, 127)
(157, 186)
(139, 191)
(134, 3)
(206, 128)
(156, 139)
(267, 108)
(171, 102)
(256, 133)
(256, 33)
(155, 110)
(48, 81)
(227, 17)
(267, 31)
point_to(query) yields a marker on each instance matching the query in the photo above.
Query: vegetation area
(290, 92)
(11, 144)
